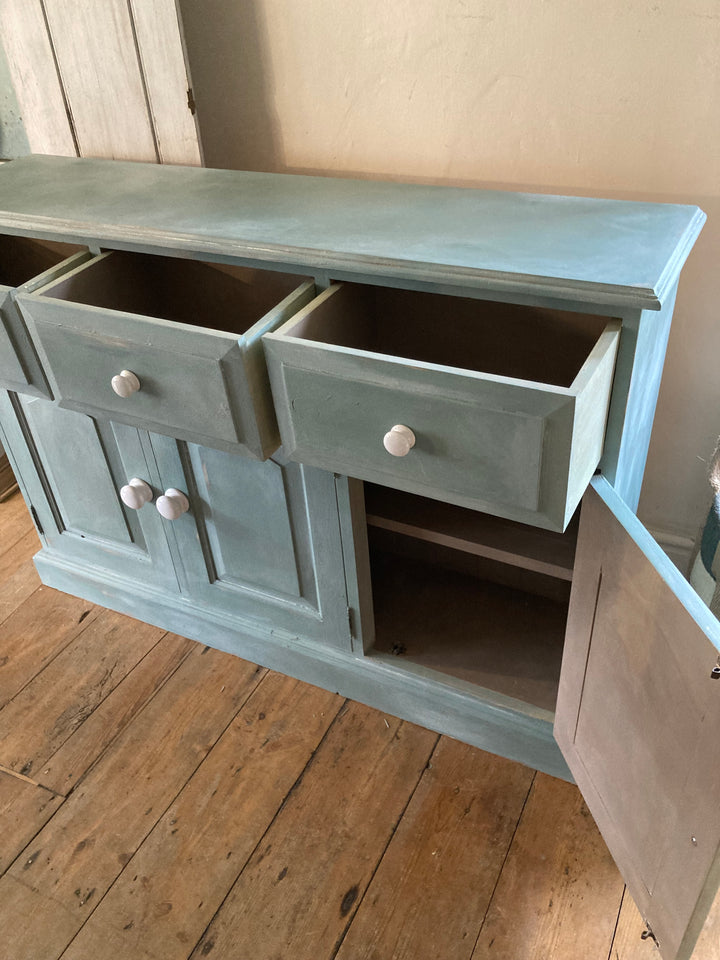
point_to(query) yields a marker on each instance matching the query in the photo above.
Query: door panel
(261, 541)
(248, 528)
(638, 716)
(72, 453)
(72, 468)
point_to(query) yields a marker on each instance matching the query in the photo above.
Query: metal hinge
(351, 621)
(191, 101)
(647, 934)
(36, 519)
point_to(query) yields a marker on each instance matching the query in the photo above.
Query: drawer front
(181, 390)
(20, 367)
(11, 369)
(463, 443)
(196, 384)
(516, 449)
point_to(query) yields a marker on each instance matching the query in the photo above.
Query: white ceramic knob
(173, 504)
(399, 440)
(136, 494)
(125, 384)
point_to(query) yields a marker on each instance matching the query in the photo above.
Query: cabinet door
(638, 718)
(260, 542)
(71, 468)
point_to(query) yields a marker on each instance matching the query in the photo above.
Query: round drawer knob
(136, 494)
(125, 384)
(399, 441)
(173, 504)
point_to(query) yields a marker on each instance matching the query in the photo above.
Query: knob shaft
(136, 494)
(172, 504)
(399, 440)
(125, 383)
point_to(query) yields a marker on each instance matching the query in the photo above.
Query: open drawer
(21, 261)
(165, 344)
(502, 407)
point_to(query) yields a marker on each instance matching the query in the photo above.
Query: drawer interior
(469, 595)
(218, 297)
(509, 340)
(21, 259)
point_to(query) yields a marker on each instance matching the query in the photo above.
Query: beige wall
(571, 96)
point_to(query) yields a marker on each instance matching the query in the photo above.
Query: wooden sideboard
(343, 428)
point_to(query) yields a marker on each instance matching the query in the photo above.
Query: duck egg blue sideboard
(344, 428)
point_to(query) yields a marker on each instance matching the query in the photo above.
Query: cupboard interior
(219, 297)
(469, 595)
(21, 258)
(509, 340)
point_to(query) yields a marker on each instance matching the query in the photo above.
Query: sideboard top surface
(612, 252)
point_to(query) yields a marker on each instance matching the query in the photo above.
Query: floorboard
(180, 876)
(39, 719)
(65, 768)
(448, 850)
(25, 808)
(163, 801)
(559, 892)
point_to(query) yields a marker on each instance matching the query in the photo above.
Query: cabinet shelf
(469, 595)
(519, 545)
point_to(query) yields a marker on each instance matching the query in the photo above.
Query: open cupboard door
(638, 718)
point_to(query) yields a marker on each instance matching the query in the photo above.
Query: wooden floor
(162, 800)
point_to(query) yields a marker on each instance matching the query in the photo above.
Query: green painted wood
(515, 448)
(72, 453)
(641, 358)
(261, 541)
(353, 529)
(489, 721)
(70, 470)
(11, 369)
(196, 383)
(593, 387)
(23, 264)
(637, 717)
(603, 251)
(246, 518)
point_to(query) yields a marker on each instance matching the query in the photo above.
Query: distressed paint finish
(603, 251)
(85, 346)
(208, 579)
(30, 265)
(70, 469)
(480, 717)
(518, 449)
(637, 380)
(261, 542)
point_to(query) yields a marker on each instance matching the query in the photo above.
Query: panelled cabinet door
(260, 541)
(72, 469)
(638, 718)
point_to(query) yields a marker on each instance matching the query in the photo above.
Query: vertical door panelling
(247, 521)
(261, 541)
(81, 465)
(75, 461)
